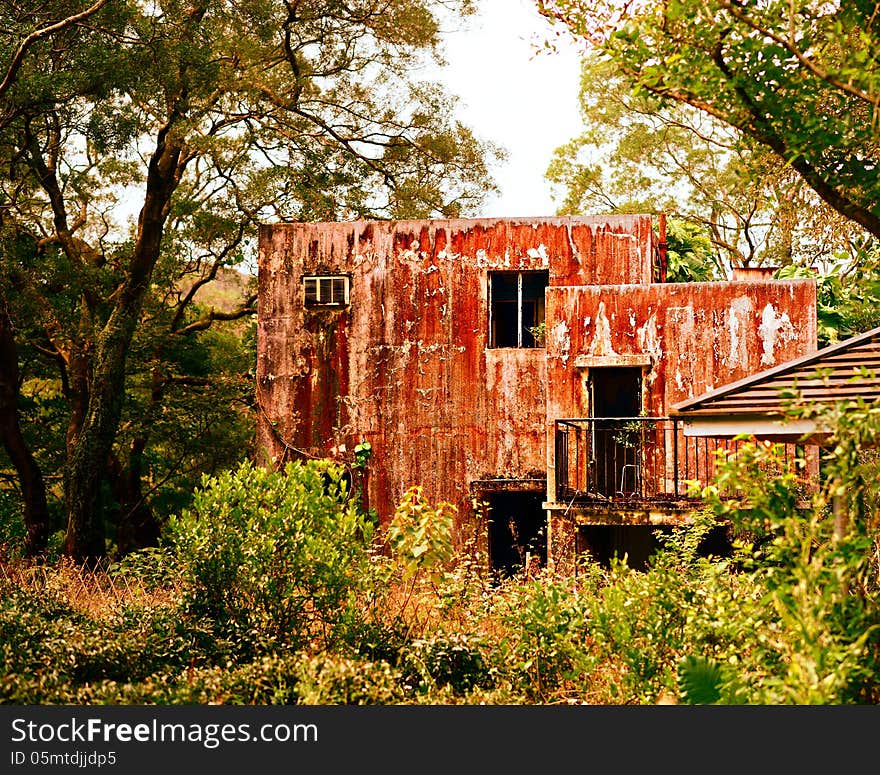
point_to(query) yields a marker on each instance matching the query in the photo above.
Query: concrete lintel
(508, 485)
(599, 361)
(620, 514)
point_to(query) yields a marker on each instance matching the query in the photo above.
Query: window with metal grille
(516, 308)
(326, 290)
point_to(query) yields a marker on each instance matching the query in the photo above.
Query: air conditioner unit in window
(330, 290)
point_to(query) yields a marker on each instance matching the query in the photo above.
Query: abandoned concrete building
(521, 369)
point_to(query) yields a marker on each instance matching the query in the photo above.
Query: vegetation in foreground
(274, 588)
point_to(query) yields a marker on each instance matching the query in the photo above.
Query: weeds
(270, 591)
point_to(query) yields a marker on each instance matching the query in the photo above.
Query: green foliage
(362, 454)
(12, 529)
(272, 559)
(545, 646)
(153, 567)
(799, 78)
(338, 680)
(847, 295)
(539, 333)
(420, 535)
(638, 625)
(453, 661)
(267, 680)
(51, 653)
(641, 154)
(812, 635)
(699, 680)
(689, 254)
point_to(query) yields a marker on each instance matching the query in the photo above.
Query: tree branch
(207, 321)
(788, 44)
(18, 57)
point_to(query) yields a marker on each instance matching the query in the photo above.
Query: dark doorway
(517, 530)
(616, 392)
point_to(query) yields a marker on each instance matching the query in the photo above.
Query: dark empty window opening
(330, 290)
(516, 308)
(517, 531)
(638, 543)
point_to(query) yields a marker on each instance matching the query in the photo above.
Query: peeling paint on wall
(738, 313)
(647, 338)
(601, 343)
(561, 340)
(680, 325)
(775, 330)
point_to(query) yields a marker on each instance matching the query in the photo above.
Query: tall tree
(639, 153)
(801, 78)
(15, 50)
(202, 117)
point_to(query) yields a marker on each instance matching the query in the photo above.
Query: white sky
(517, 98)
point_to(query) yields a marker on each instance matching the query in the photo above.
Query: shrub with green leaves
(267, 680)
(12, 530)
(453, 660)
(273, 558)
(52, 653)
(331, 679)
(545, 651)
(420, 534)
(809, 632)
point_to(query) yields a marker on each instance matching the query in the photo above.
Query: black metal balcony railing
(633, 458)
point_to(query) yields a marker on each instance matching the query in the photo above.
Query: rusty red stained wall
(699, 336)
(407, 367)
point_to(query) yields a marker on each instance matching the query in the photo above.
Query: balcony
(633, 460)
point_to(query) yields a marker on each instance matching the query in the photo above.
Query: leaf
(700, 680)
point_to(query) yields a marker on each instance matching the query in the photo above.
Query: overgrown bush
(809, 630)
(272, 589)
(50, 651)
(420, 535)
(273, 558)
(268, 680)
(13, 533)
(331, 679)
(446, 660)
(544, 648)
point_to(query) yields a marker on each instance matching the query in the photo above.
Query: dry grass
(91, 590)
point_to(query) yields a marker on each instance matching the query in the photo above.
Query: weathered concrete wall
(407, 366)
(698, 336)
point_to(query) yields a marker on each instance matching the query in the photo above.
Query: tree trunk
(91, 445)
(33, 488)
(137, 526)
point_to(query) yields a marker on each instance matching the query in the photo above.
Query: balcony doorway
(616, 394)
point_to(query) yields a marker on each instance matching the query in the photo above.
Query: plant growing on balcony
(634, 432)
